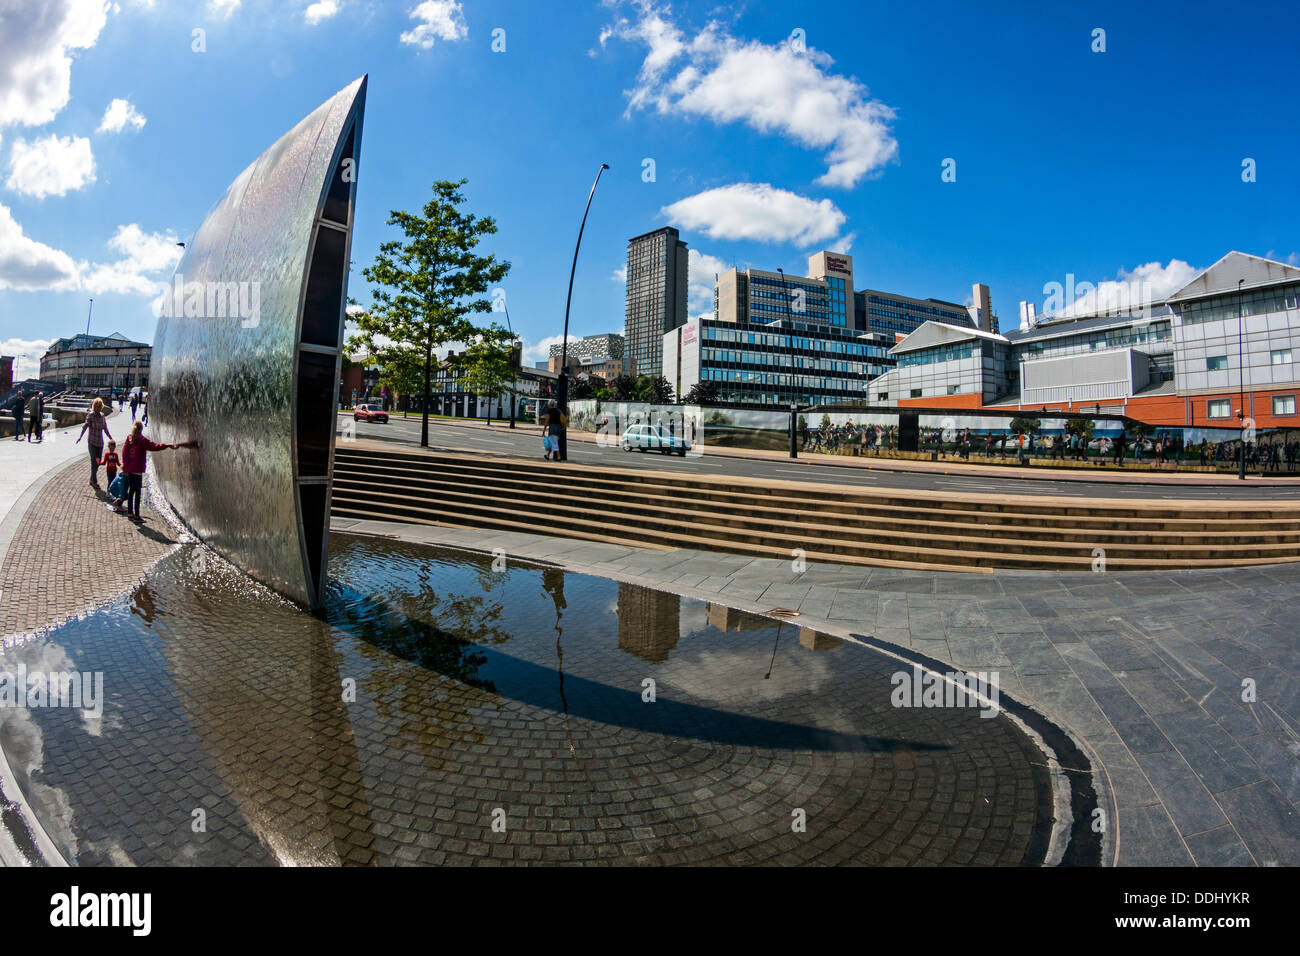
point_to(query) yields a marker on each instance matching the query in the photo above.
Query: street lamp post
(1241, 387)
(81, 375)
(563, 383)
(513, 377)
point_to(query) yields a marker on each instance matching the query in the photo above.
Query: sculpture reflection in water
(428, 692)
(247, 353)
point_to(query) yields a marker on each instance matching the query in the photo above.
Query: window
(882, 396)
(916, 393)
(952, 389)
(1218, 408)
(1281, 356)
(1283, 404)
(1216, 363)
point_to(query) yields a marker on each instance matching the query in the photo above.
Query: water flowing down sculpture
(246, 358)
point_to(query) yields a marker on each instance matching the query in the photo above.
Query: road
(526, 440)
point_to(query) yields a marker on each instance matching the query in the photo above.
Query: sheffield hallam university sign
(247, 352)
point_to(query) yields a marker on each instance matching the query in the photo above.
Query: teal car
(654, 438)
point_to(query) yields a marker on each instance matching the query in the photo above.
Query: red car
(370, 413)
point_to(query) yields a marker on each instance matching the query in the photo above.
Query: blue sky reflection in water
(478, 691)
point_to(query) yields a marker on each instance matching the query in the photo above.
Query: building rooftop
(82, 341)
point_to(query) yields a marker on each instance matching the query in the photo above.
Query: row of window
(776, 378)
(1091, 341)
(1219, 363)
(714, 356)
(776, 341)
(1222, 407)
(1230, 306)
(943, 353)
(912, 307)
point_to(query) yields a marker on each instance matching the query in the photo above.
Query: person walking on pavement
(135, 401)
(97, 424)
(553, 423)
(135, 452)
(17, 408)
(36, 416)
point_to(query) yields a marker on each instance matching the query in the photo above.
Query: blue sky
(767, 143)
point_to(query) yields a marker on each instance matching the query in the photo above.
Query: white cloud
(619, 275)
(321, 10)
(757, 211)
(36, 47)
(438, 20)
(27, 355)
(771, 88)
(540, 351)
(145, 256)
(1130, 290)
(119, 115)
(28, 265)
(222, 9)
(51, 166)
(701, 268)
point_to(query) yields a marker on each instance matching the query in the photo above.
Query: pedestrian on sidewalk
(134, 460)
(17, 408)
(135, 401)
(97, 424)
(36, 416)
(553, 427)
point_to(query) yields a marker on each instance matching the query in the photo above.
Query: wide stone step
(765, 520)
(823, 522)
(950, 553)
(1002, 511)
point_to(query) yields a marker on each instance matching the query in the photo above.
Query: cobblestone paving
(1185, 686)
(224, 699)
(70, 553)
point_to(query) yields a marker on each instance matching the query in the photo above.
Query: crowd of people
(1276, 455)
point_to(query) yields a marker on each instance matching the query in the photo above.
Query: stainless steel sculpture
(247, 352)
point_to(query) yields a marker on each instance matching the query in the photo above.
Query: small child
(110, 461)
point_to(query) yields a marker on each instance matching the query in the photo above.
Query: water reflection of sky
(478, 689)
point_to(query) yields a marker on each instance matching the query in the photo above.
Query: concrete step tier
(848, 525)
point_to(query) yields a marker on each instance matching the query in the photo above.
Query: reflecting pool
(442, 708)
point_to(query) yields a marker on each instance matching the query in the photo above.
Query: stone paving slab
(1146, 669)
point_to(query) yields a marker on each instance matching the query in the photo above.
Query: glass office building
(776, 338)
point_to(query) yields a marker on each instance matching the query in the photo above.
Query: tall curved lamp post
(563, 384)
(517, 344)
(1241, 389)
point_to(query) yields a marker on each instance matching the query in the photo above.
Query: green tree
(402, 371)
(1026, 426)
(582, 387)
(427, 285)
(625, 388)
(702, 393)
(660, 392)
(488, 364)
